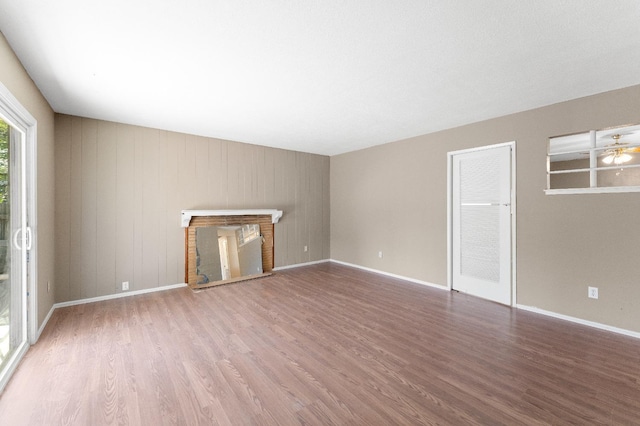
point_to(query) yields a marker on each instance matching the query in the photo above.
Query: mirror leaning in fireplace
(228, 252)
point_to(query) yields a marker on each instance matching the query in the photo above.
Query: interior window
(594, 161)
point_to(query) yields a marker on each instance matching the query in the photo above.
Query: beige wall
(15, 78)
(393, 198)
(120, 190)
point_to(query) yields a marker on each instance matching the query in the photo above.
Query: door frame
(450, 156)
(21, 119)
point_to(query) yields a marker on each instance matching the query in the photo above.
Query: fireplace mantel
(188, 214)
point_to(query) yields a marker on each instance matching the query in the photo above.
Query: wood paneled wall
(120, 190)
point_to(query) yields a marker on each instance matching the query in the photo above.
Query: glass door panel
(13, 236)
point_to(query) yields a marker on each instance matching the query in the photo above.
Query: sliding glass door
(14, 244)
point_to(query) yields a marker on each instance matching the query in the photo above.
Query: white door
(481, 193)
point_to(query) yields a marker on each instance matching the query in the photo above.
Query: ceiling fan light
(623, 158)
(608, 159)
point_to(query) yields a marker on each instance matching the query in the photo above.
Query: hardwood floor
(324, 344)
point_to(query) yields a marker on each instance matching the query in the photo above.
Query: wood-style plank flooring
(320, 345)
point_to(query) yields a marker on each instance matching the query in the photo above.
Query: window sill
(603, 190)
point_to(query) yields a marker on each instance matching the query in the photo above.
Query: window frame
(593, 167)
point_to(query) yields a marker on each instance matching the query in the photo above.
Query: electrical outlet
(125, 285)
(306, 249)
(380, 254)
(593, 292)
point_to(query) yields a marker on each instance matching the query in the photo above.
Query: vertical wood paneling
(217, 198)
(150, 218)
(284, 204)
(244, 163)
(63, 208)
(125, 203)
(303, 189)
(201, 184)
(106, 203)
(260, 177)
(163, 208)
(284, 179)
(290, 185)
(326, 208)
(88, 230)
(186, 179)
(75, 209)
(269, 176)
(187, 173)
(254, 173)
(235, 187)
(223, 163)
(314, 213)
(175, 234)
(138, 208)
(124, 187)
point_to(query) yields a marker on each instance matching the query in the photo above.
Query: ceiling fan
(616, 153)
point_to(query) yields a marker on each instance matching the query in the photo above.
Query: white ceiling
(325, 76)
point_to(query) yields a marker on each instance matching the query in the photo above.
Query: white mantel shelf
(188, 214)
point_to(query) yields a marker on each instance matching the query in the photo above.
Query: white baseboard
(299, 265)
(523, 307)
(44, 323)
(580, 321)
(117, 295)
(388, 274)
(99, 299)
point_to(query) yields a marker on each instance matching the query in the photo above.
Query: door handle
(28, 238)
(15, 239)
(486, 204)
